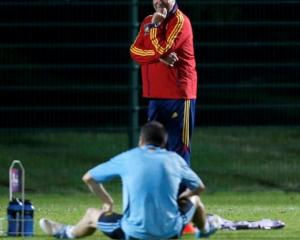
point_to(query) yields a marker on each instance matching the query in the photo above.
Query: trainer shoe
(213, 226)
(54, 229)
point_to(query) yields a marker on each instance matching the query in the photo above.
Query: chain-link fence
(66, 64)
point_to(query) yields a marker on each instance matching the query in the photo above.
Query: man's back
(152, 184)
(150, 178)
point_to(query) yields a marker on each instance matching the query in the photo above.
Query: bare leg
(85, 227)
(200, 214)
(206, 228)
(88, 224)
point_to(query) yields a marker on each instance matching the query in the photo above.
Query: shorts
(178, 117)
(110, 223)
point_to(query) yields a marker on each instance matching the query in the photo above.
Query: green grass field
(234, 206)
(250, 174)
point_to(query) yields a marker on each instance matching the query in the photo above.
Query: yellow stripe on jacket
(171, 38)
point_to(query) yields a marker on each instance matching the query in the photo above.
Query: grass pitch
(231, 205)
(250, 174)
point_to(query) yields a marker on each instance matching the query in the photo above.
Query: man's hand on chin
(159, 16)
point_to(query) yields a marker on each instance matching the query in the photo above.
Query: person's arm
(164, 44)
(100, 191)
(191, 180)
(143, 56)
(196, 192)
(139, 53)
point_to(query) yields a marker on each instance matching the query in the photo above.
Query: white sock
(206, 227)
(69, 230)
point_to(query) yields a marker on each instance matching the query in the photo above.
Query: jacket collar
(173, 10)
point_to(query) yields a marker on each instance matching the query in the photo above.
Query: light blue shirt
(150, 178)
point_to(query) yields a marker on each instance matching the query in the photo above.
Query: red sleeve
(138, 50)
(164, 44)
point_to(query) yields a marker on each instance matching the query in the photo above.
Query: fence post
(134, 92)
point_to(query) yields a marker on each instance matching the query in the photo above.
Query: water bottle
(28, 218)
(14, 212)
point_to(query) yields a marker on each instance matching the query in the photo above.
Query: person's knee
(196, 201)
(90, 211)
(92, 216)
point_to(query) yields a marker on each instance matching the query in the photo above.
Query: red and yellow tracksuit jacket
(160, 81)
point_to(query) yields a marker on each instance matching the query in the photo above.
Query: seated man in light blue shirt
(150, 176)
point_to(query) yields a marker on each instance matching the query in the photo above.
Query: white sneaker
(202, 234)
(215, 221)
(212, 225)
(52, 228)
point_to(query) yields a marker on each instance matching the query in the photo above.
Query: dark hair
(154, 133)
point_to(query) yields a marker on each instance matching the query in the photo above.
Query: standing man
(150, 182)
(164, 48)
